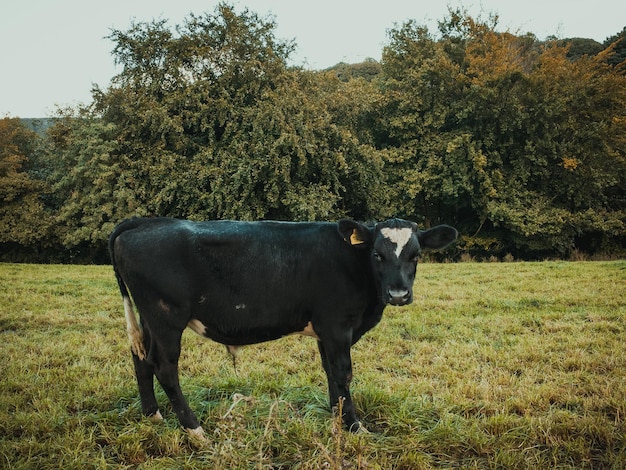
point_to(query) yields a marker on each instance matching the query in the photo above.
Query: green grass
(512, 365)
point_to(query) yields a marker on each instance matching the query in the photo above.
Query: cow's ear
(354, 233)
(437, 237)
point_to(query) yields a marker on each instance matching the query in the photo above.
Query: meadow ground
(500, 365)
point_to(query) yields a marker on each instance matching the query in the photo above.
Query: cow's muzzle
(399, 296)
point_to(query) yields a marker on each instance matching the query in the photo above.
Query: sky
(53, 51)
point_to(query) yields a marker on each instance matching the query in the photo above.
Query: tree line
(514, 141)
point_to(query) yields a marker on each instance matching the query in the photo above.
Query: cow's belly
(250, 335)
(238, 314)
(245, 325)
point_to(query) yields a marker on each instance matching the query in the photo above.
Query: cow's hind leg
(164, 354)
(145, 381)
(139, 338)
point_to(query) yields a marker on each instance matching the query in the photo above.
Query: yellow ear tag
(354, 238)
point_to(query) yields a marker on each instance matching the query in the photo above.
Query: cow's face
(394, 247)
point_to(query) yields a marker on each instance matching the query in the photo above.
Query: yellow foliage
(493, 54)
(569, 163)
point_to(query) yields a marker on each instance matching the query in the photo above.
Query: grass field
(502, 365)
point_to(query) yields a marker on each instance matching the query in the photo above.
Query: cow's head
(394, 247)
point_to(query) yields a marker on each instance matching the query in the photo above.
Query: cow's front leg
(335, 354)
(332, 386)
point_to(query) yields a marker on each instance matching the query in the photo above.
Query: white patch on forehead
(399, 236)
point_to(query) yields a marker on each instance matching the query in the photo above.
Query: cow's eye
(415, 258)
(377, 256)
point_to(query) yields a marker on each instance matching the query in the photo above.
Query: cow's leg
(165, 353)
(335, 353)
(332, 386)
(145, 380)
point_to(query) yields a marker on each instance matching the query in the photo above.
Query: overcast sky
(52, 51)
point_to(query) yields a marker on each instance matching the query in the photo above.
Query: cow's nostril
(398, 296)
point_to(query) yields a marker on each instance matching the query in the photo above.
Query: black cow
(241, 283)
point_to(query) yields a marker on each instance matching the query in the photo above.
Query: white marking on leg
(197, 434)
(360, 429)
(156, 417)
(135, 335)
(399, 236)
(197, 326)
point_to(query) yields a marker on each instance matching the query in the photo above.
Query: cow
(241, 283)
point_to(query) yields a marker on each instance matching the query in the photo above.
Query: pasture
(500, 365)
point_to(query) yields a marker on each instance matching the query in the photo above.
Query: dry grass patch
(516, 365)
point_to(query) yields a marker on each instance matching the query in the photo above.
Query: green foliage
(209, 122)
(498, 134)
(616, 44)
(579, 47)
(492, 131)
(23, 219)
(369, 70)
(512, 365)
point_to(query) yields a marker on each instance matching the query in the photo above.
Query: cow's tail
(133, 328)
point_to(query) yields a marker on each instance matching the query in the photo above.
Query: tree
(510, 138)
(209, 122)
(616, 48)
(426, 155)
(25, 223)
(579, 47)
(369, 70)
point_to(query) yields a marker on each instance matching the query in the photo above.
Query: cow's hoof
(358, 428)
(156, 417)
(197, 435)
